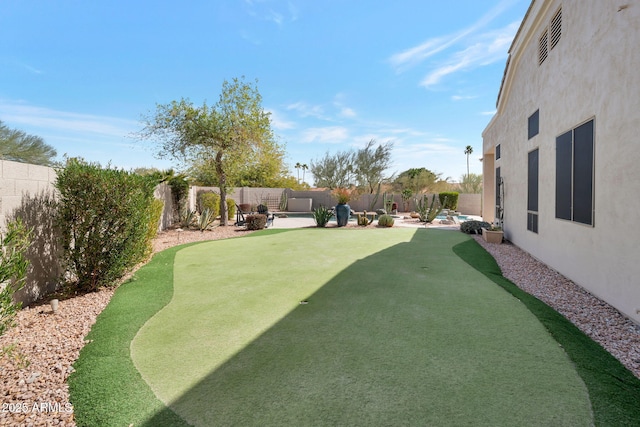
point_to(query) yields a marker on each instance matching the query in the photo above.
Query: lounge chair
(240, 220)
(264, 210)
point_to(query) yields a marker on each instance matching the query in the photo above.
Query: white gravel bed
(604, 324)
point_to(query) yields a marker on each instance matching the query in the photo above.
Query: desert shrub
(321, 216)
(449, 200)
(231, 208)
(104, 219)
(386, 221)
(209, 200)
(474, 227)
(13, 269)
(256, 222)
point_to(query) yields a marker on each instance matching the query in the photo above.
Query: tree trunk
(222, 177)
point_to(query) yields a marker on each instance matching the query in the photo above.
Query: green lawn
(400, 328)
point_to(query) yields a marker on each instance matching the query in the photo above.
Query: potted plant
(343, 210)
(493, 234)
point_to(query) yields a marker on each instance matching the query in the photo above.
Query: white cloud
(45, 118)
(347, 112)
(280, 123)
(492, 47)
(306, 110)
(330, 134)
(489, 48)
(462, 97)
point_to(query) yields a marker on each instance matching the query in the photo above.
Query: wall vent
(543, 51)
(556, 29)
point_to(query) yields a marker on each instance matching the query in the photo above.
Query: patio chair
(240, 220)
(264, 210)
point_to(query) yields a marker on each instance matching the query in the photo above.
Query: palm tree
(298, 166)
(468, 151)
(304, 168)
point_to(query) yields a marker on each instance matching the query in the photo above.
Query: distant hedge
(452, 200)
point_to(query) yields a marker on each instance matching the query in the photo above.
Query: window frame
(575, 174)
(533, 189)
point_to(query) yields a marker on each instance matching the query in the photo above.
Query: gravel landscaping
(40, 350)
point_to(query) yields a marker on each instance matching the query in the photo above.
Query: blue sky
(334, 73)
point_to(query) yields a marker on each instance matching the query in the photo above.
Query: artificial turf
(613, 390)
(397, 330)
(106, 389)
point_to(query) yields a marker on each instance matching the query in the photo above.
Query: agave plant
(187, 218)
(322, 216)
(205, 220)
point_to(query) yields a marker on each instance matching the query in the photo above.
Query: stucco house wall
(591, 74)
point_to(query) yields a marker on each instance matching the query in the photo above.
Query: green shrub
(104, 219)
(231, 208)
(13, 269)
(322, 216)
(256, 221)
(209, 200)
(449, 200)
(155, 213)
(474, 227)
(386, 221)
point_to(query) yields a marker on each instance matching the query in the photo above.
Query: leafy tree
(471, 183)
(334, 171)
(17, 146)
(370, 165)
(264, 168)
(226, 134)
(418, 180)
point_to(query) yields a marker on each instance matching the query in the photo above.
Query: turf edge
(106, 389)
(614, 391)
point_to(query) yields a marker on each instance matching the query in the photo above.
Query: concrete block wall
(19, 179)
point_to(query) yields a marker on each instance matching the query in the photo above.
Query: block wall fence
(26, 190)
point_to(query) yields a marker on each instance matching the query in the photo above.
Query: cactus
(375, 198)
(386, 221)
(387, 201)
(363, 220)
(283, 201)
(428, 214)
